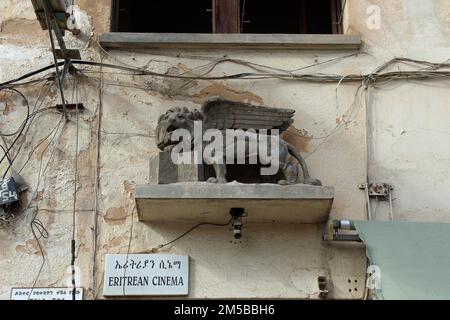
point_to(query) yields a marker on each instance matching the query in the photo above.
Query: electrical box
(9, 192)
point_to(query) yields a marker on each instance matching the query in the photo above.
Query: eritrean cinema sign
(146, 275)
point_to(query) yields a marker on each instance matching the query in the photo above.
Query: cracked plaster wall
(407, 131)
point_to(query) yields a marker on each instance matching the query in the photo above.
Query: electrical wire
(96, 184)
(6, 154)
(129, 247)
(20, 129)
(341, 16)
(37, 146)
(6, 145)
(373, 77)
(30, 118)
(217, 61)
(22, 126)
(60, 77)
(20, 147)
(342, 124)
(429, 70)
(15, 218)
(130, 134)
(28, 75)
(50, 77)
(36, 223)
(190, 230)
(74, 94)
(42, 172)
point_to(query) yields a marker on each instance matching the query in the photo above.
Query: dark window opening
(265, 17)
(227, 16)
(163, 16)
(292, 16)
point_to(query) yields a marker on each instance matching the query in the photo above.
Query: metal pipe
(391, 212)
(58, 75)
(369, 210)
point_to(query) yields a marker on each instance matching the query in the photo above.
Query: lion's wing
(225, 114)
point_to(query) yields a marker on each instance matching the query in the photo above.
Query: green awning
(414, 258)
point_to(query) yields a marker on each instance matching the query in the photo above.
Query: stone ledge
(206, 202)
(130, 40)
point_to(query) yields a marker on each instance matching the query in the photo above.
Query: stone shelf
(207, 202)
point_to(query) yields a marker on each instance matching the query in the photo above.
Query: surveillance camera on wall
(237, 229)
(237, 214)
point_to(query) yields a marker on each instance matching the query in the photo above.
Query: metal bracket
(70, 107)
(381, 192)
(61, 17)
(377, 189)
(342, 231)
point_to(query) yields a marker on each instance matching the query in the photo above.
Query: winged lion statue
(224, 114)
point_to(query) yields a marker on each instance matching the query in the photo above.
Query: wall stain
(115, 216)
(299, 138)
(7, 109)
(51, 218)
(39, 195)
(30, 247)
(87, 161)
(218, 89)
(179, 87)
(41, 149)
(50, 203)
(23, 32)
(183, 67)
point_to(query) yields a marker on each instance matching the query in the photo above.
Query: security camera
(237, 229)
(237, 214)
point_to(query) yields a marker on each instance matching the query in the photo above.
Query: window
(227, 16)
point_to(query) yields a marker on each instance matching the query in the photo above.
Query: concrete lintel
(126, 40)
(202, 201)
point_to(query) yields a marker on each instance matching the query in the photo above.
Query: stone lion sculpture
(225, 114)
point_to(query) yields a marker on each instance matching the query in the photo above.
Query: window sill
(124, 40)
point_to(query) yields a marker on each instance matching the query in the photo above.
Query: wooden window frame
(226, 40)
(336, 16)
(226, 16)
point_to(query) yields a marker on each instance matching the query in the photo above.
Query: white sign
(45, 294)
(146, 275)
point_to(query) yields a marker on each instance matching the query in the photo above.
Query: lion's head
(174, 118)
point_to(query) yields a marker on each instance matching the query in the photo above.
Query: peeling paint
(30, 247)
(221, 90)
(299, 138)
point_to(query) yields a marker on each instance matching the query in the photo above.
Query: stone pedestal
(164, 171)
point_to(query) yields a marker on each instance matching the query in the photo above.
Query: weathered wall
(408, 120)
(407, 148)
